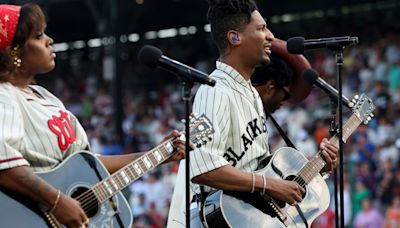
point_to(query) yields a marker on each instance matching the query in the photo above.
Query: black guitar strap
(281, 132)
(201, 198)
(92, 163)
(289, 144)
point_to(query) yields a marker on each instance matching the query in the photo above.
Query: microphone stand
(186, 96)
(332, 131)
(338, 50)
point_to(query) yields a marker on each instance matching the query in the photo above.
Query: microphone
(312, 77)
(297, 45)
(152, 57)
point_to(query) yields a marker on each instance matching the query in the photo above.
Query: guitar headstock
(363, 108)
(200, 129)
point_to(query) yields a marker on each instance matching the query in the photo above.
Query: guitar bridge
(53, 222)
(282, 216)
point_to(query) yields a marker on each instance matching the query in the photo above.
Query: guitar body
(73, 177)
(83, 177)
(233, 209)
(240, 210)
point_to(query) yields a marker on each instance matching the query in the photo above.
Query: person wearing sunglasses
(282, 81)
(273, 83)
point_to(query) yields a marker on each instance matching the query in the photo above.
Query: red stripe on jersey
(11, 159)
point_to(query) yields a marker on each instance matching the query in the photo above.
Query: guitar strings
(92, 201)
(89, 197)
(351, 125)
(89, 200)
(301, 180)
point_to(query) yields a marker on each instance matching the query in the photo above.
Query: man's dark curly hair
(277, 70)
(225, 15)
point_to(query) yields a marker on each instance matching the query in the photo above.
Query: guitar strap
(92, 163)
(281, 132)
(200, 203)
(289, 144)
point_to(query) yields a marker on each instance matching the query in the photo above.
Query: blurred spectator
(382, 99)
(321, 131)
(325, 220)
(158, 219)
(394, 184)
(365, 150)
(368, 216)
(385, 177)
(361, 193)
(138, 205)
(392, 219)
(305, 144)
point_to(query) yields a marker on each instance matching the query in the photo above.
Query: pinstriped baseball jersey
(236, 112)
(36, 131)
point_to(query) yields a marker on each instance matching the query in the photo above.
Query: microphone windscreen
(310, 76)
(295, 45)
(149, 55)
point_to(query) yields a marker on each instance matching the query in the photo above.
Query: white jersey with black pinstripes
(36, 129)
(236, 112)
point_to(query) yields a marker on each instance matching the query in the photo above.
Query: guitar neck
(315, 165)
(128, 174)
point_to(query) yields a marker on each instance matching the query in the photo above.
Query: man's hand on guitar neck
(330, 153)
(179, 144)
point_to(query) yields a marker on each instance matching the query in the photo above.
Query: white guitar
(232, 209)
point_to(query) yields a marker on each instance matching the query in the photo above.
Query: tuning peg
(365, 122)
(356, 96)
(369, 118)
(371, 115)
(200, 127)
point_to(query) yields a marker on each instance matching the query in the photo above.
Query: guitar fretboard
(315, 165)
(200, 130)
(125, 176)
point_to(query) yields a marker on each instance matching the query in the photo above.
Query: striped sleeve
(11, 134)
(212, 102)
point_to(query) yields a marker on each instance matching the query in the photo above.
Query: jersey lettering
(230, 159)
(62, 127)
(264, 124)
(254, 128)
(246, 142)
(231, 156)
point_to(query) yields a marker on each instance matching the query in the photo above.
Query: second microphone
(312, 77)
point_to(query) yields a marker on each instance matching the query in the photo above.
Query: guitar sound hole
(87, 199)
